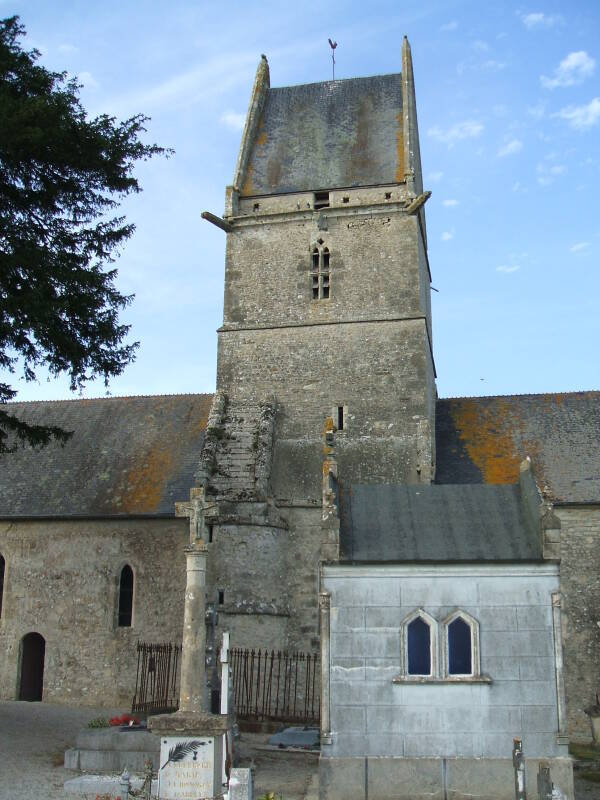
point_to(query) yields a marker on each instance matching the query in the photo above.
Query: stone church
(324, 450)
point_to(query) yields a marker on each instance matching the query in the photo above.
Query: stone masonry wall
(374, 267)
(580, 585)
(366, 347)
(379, 370)
(268, 578)
(62, 581)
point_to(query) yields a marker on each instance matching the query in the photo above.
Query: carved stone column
(193, 689)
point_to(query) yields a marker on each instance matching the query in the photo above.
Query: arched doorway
(33, 650)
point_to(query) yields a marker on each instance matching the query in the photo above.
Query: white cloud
(469, 129)
(508, 268)
(450, 203)
(88, 80)
(206, 79)
(447, 235)
(510, 148)
(481, 46)
(573, 69)
(494, 65)
(233, 120)
(449, 26)
(67, 49)
(581, 117)
(579, 247)
(547, 174)
(537, 111)
(434, 177)
(538, 19)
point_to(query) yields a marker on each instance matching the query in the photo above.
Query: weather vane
(333, 45)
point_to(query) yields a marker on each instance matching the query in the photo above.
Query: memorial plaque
(190, 767)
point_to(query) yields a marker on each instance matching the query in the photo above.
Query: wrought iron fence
(157, 679)
(270, 685)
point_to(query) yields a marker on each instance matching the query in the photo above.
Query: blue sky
(508, 97)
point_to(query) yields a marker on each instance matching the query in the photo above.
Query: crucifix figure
(195, 509)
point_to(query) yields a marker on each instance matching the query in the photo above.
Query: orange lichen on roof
(261, 140)
(146, 480)
(400, 149)
(488, 434)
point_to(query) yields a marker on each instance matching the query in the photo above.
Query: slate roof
(435, 523)
(484, 439)
(127, 455)
(327, 135)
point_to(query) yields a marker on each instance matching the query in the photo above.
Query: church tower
(327, 314)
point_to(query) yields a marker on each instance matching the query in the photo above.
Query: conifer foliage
(62, 176)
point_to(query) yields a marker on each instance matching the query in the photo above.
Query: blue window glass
(459, 648)
(419, 647)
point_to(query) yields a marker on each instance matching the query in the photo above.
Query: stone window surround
(433, 644)
(475, 657)
(441, 675)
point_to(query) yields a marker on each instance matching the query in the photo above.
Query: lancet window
(126, 597)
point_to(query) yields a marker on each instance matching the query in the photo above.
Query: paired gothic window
(126, 597)
(458, 635)
(319, 273)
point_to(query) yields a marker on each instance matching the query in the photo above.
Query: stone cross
(195, 508)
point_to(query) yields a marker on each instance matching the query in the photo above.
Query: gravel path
(33, 740)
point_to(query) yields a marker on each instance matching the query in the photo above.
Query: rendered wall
(458, 723)
(61, 581)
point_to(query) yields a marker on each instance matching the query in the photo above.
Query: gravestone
(190, 767)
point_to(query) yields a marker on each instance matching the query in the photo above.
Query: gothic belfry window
(320, 273)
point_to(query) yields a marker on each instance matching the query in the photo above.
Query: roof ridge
(519, 394)
(110, 397)
(336, 81)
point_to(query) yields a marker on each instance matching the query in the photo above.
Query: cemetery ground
(34, 737)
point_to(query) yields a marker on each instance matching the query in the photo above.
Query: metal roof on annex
(395, 523)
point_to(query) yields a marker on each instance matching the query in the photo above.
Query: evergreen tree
(61, 177)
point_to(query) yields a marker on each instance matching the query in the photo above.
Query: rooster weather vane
(333, 45)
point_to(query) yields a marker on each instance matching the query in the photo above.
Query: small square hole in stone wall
(321, 200)
(388, 195)
(345, 199)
